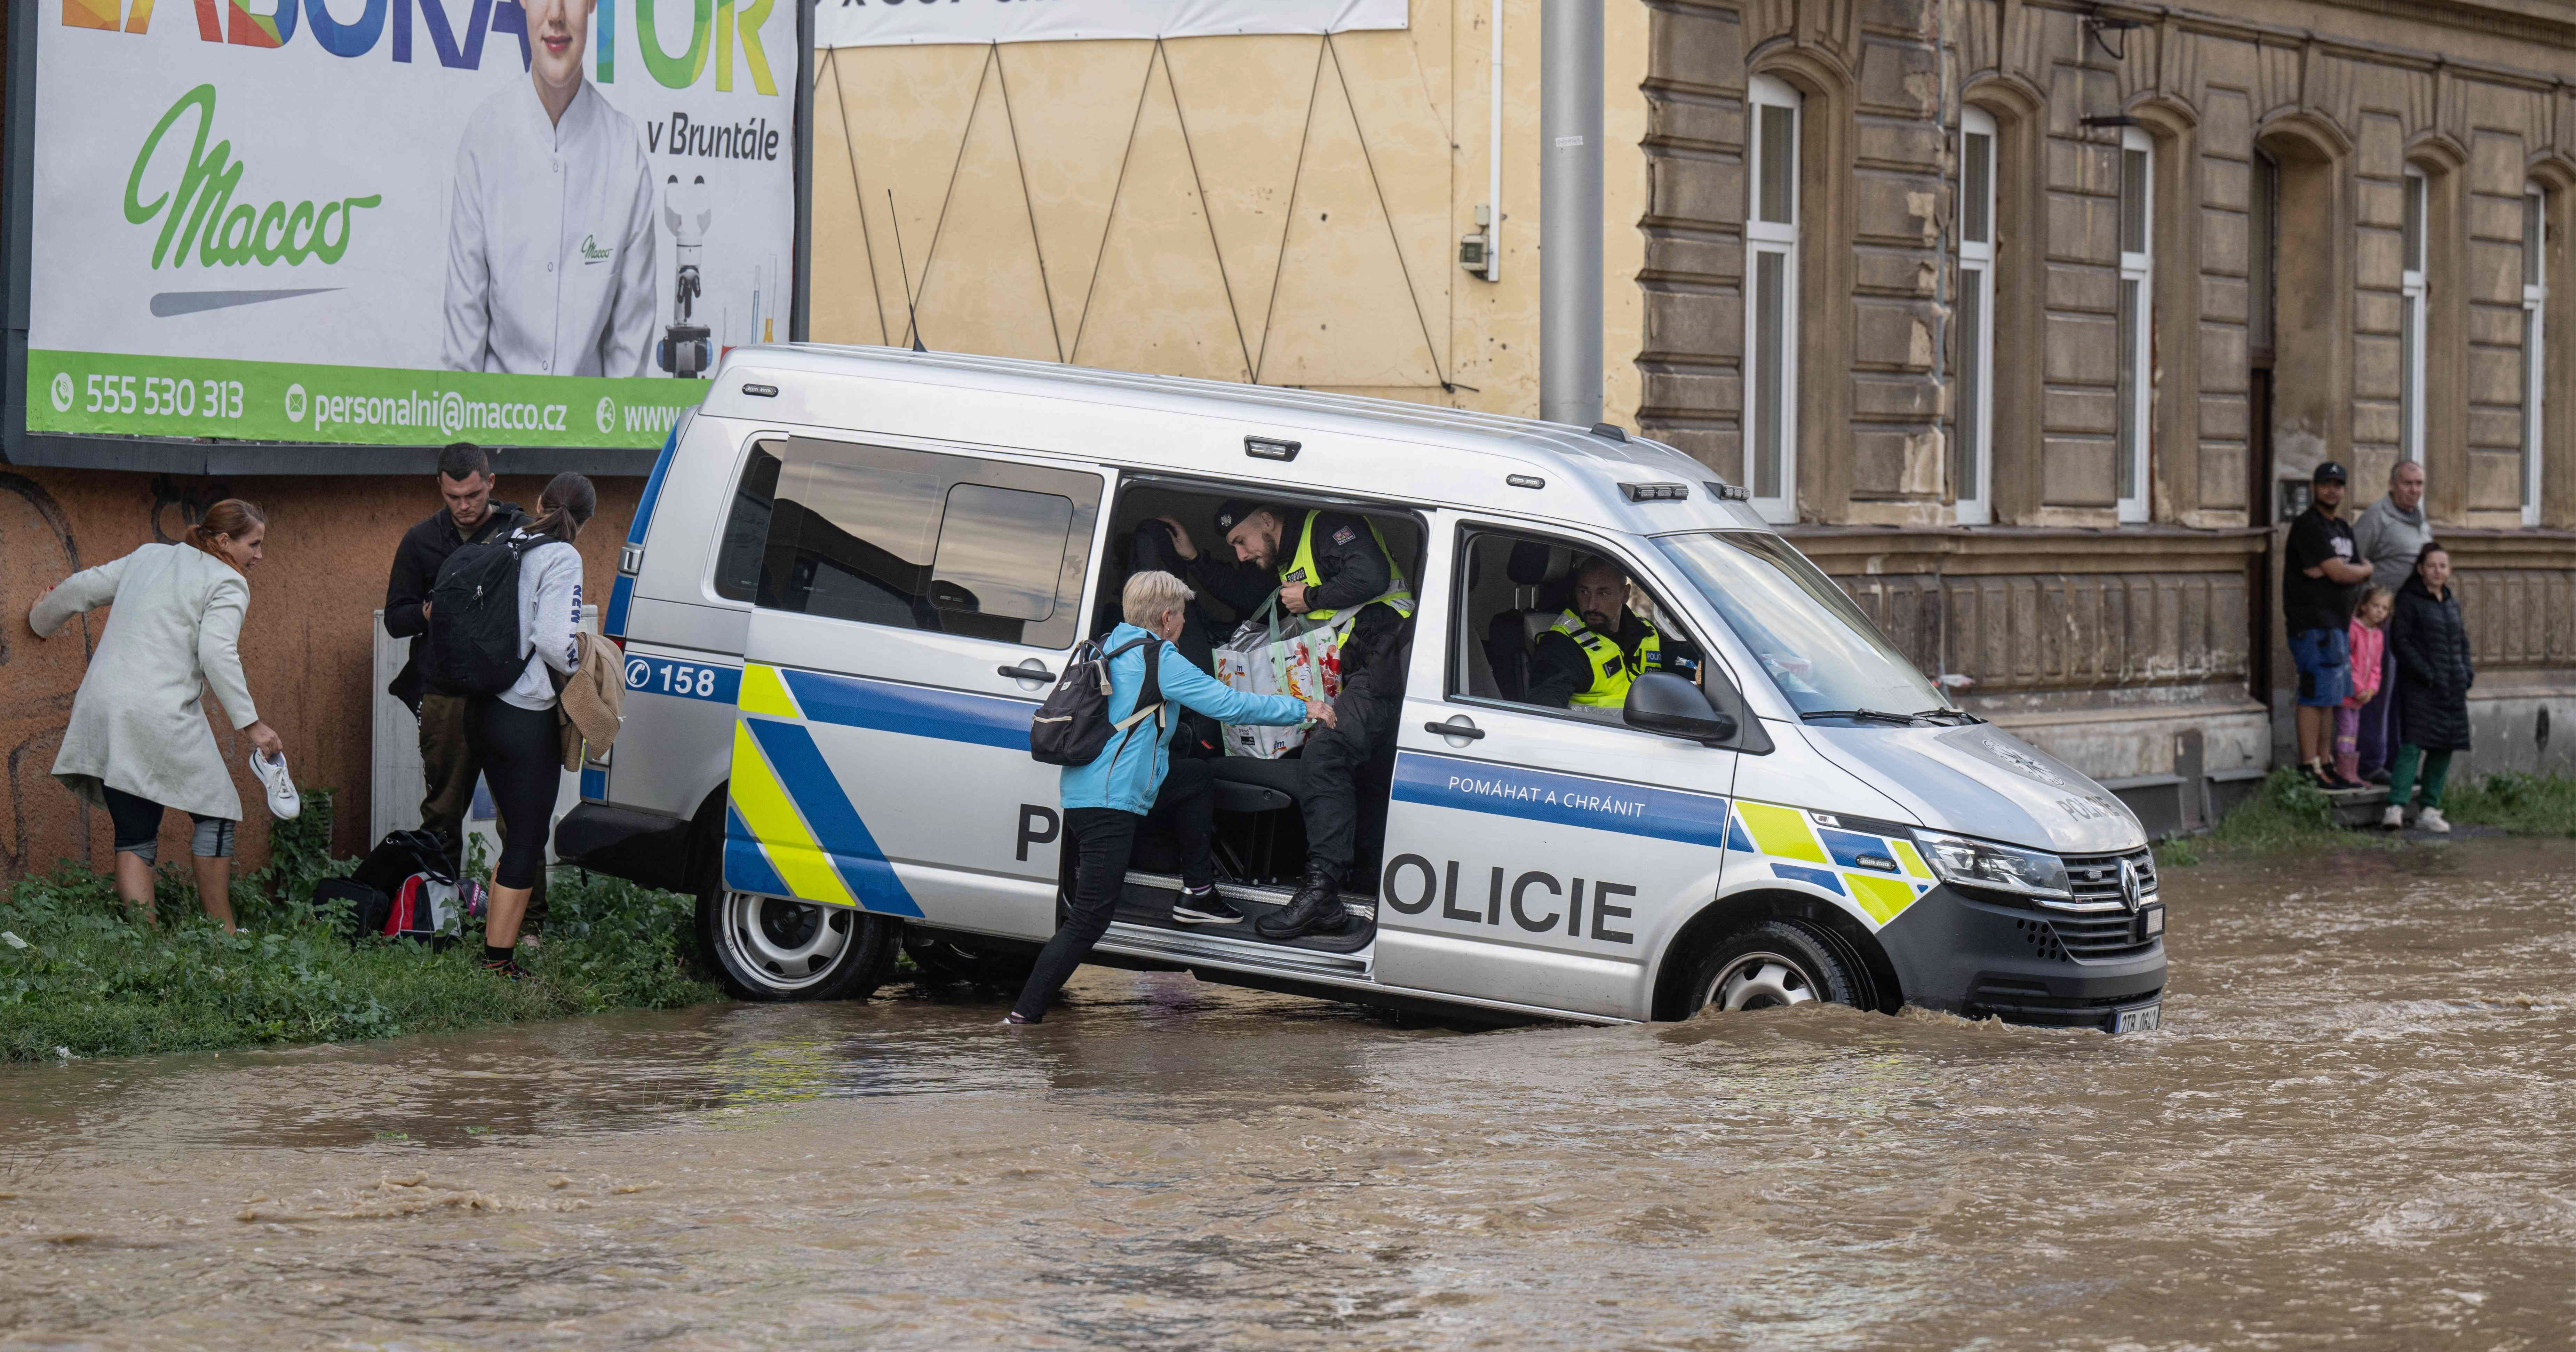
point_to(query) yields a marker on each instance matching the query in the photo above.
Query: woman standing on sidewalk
(514, 733)
(138, 743)
(2431, 642)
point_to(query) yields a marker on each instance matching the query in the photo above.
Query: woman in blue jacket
(1135, 780)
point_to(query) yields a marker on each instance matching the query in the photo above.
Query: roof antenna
(912, 318)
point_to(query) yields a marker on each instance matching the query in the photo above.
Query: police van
(855, 572)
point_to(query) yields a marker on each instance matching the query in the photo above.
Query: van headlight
(1980, 863)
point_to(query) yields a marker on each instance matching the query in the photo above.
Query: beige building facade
(2026, 320)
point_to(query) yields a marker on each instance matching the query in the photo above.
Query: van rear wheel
(770, 948)
(1773, 965)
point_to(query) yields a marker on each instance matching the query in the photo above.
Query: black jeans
(1336, 757)
(522, 756)
(1102, 839)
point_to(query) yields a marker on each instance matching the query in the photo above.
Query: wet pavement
(2355, 1129)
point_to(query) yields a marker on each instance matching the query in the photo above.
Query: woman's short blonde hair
(1150, 594)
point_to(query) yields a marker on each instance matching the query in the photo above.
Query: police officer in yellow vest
(1595, 651)
(1321, 564)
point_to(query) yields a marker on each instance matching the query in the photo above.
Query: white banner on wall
(894, 23)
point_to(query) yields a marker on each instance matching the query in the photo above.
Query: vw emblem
(2130, 889)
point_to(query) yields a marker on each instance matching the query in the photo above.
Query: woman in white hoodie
(138, 742)
(514, 733)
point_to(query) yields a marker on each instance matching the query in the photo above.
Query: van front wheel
(1773, 965)
(770, 948)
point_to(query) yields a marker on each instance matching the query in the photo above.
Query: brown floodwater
(2354, 1129)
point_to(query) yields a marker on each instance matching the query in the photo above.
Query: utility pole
(1569, 350)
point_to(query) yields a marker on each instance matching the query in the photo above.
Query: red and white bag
(1261, 660)
(432, 908)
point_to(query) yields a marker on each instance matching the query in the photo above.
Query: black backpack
(473, 639)
(1073, 723)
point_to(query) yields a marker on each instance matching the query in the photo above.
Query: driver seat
(1542, 587)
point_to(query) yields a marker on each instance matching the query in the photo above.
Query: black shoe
(2347, 784)
(1205, 908)
(2378, 776)
(1316, 909)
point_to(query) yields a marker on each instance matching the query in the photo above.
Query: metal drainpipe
(1569, 381)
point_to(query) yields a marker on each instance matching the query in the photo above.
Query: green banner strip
(116, 395)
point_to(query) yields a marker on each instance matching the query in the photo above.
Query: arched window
(1972, 468)
(2137, 316)
(1771, 293)
(2535, 297)
(2411, 308)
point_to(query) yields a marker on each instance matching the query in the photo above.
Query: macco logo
(591, 252)
(225, 233)
(713, 30)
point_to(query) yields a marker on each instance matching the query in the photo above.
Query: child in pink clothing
(2368, 642)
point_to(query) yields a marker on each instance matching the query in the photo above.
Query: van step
(1148, 905)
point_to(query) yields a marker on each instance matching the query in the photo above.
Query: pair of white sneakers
(2430, 819)
(283, 801)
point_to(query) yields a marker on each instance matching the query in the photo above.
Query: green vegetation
(2289, 813)
(2525, 805)
(81, 973)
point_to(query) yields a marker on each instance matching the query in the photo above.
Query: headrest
(1533, 562)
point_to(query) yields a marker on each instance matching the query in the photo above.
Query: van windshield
(1815, 644)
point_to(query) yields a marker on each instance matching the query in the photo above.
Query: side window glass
(920, 540)
(746, 530)
(1515, 640)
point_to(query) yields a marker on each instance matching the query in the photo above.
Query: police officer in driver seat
(1594, 652)
(1324, 563)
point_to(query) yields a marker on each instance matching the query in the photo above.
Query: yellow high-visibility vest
(1397, 596)
(1612, 671)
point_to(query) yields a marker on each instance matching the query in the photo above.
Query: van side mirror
(1659, 701)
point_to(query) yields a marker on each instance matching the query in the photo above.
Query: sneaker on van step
(1205, 907)
(283, 801)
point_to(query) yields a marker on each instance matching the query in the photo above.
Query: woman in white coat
(138, 742)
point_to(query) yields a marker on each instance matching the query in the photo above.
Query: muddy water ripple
(2355, 1130)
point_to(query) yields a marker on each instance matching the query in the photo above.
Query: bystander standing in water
(2431, 641)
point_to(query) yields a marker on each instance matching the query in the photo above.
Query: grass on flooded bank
(2289, 813)
(86, 976)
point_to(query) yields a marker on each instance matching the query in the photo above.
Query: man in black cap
(2317, 581)
(1324, 563)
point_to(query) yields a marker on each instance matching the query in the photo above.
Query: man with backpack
(469, 516)
(1115, 747)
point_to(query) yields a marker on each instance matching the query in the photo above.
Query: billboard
(403, 222)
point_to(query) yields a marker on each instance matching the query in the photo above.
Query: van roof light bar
(1730, 492)
(1655, 492)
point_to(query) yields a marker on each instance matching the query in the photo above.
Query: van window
(746, 531)
(999, 551)
(1515, 589)
(922, 540)
(1812, 641)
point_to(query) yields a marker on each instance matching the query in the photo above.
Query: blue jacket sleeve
(1184, 684)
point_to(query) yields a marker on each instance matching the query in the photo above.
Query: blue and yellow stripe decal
(1882, 875)
(790, 829)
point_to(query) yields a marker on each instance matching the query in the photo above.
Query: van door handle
(1457, 726)
(1028, 670)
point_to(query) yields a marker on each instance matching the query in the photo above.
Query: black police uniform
(1354, 570)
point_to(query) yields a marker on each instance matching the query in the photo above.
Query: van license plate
(2145, 1020)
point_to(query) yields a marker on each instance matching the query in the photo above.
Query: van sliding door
(912, 608)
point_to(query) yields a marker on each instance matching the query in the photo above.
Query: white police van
(855, 572)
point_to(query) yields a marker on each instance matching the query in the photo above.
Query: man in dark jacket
(1595, 651)
(1321, 563)
(447, 764)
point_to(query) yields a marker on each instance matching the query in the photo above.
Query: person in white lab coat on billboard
(550, 230)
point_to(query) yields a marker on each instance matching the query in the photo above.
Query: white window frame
(1767, 238)
(2417, 205)
(1974, 493)
(2535, 320)
(2137, 267)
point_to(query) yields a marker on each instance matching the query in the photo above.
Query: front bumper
(1982, 954)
